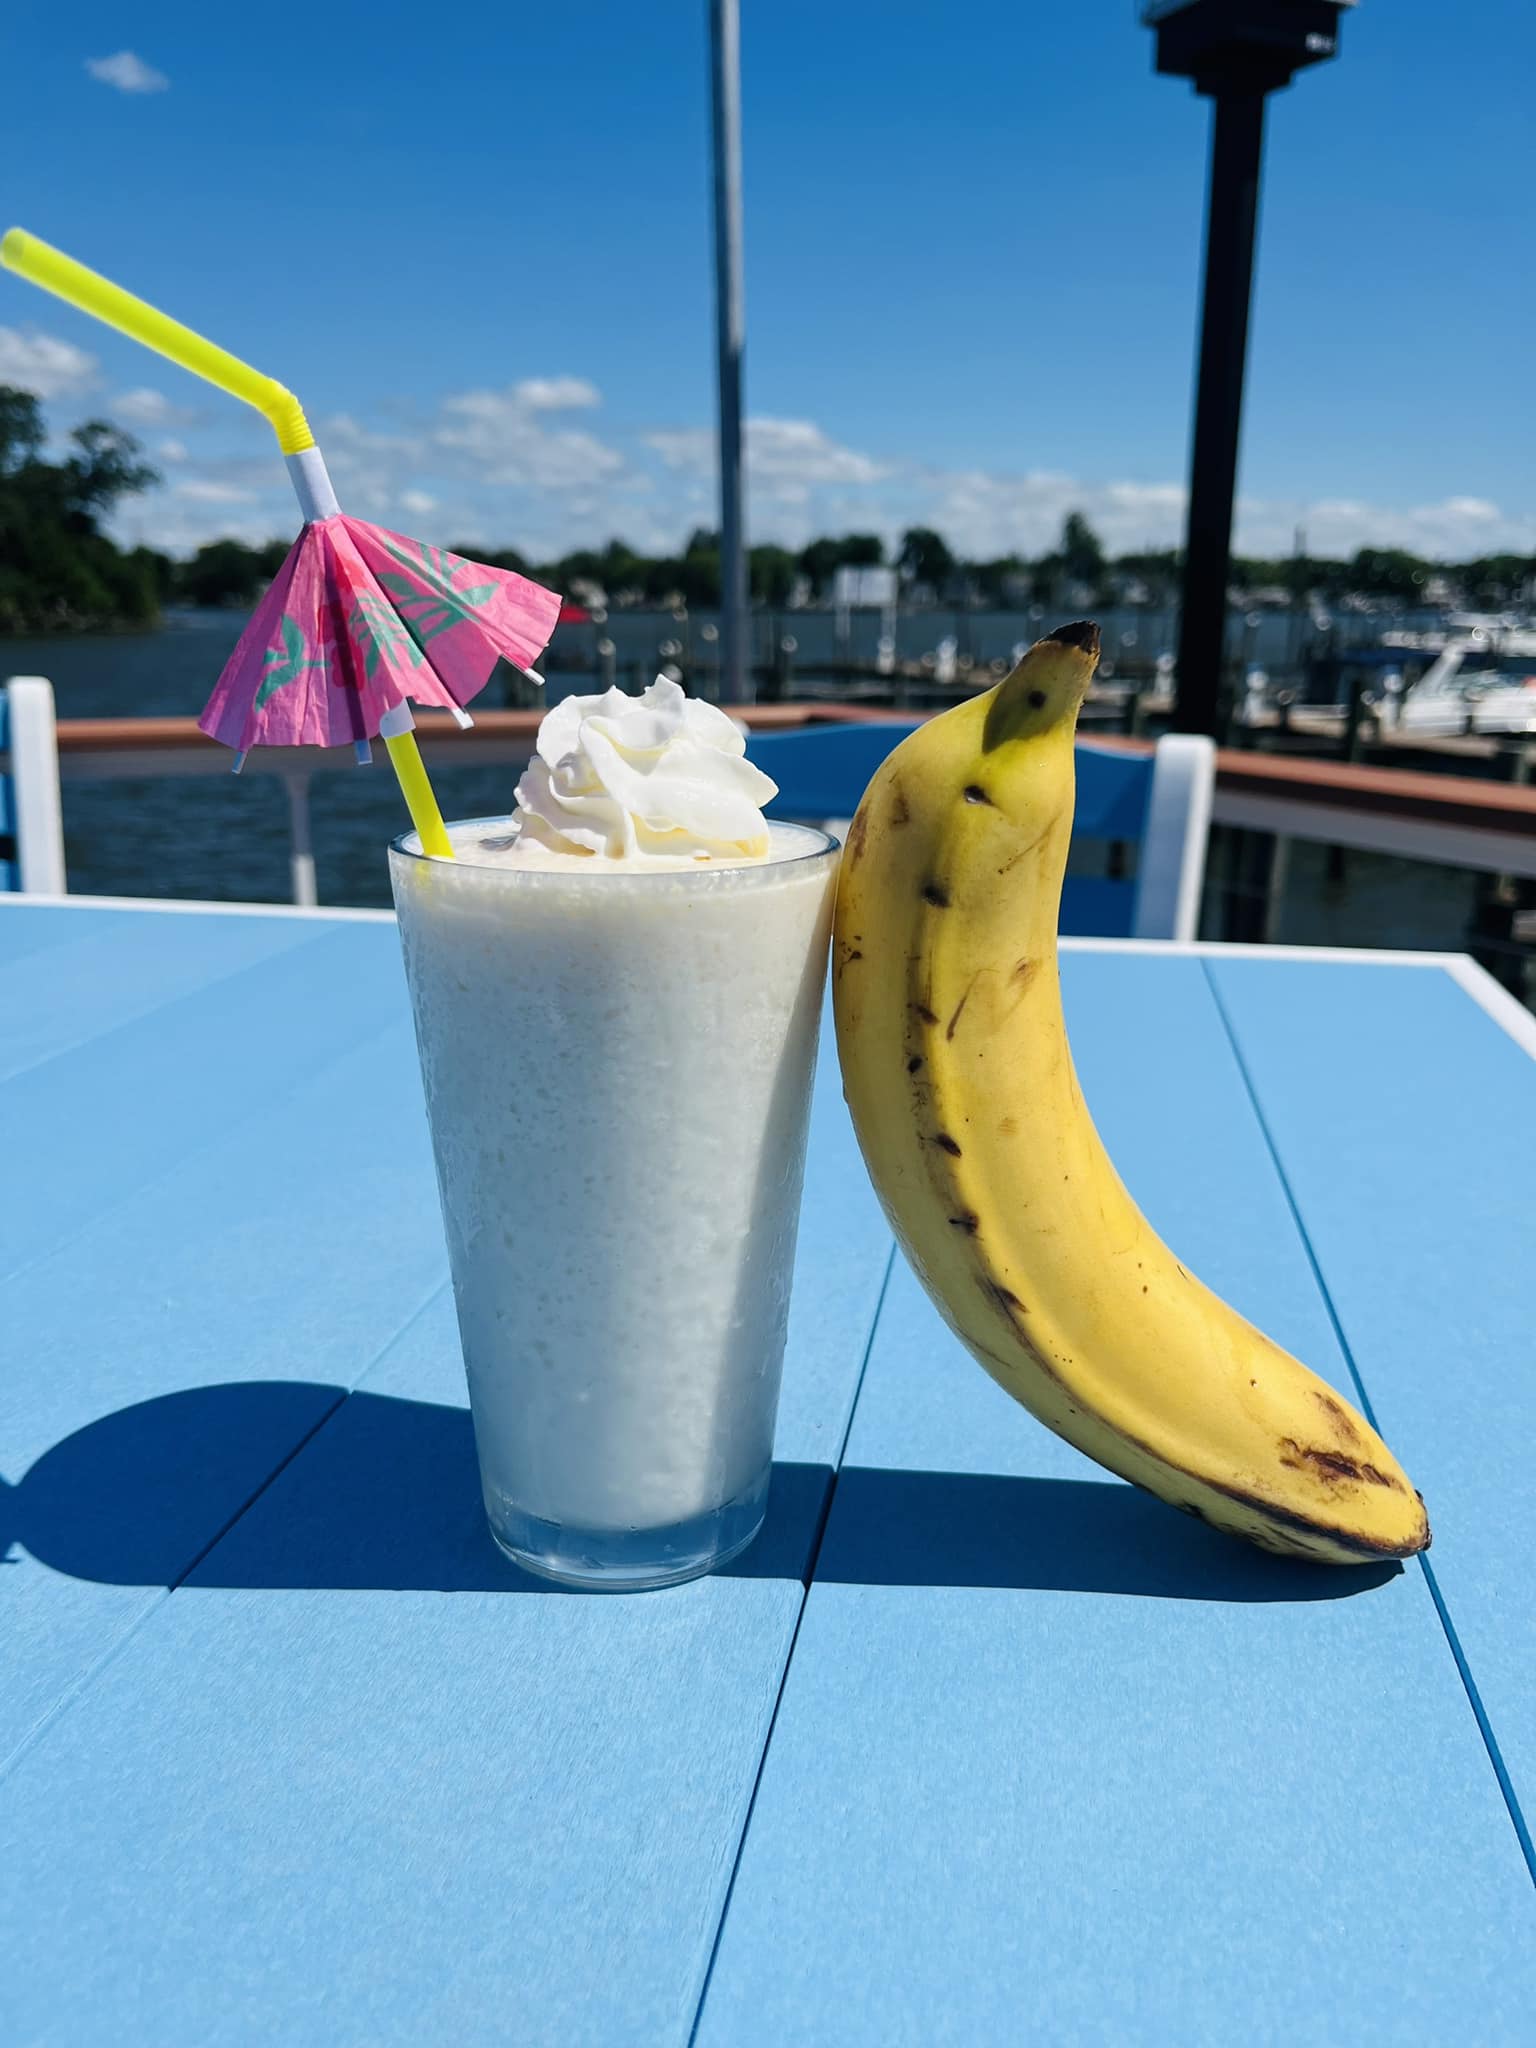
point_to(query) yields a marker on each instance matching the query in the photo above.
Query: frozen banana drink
(617, 995)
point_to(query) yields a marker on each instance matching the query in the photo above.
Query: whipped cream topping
(662, 775)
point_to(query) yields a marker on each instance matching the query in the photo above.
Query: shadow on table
(285, 1484)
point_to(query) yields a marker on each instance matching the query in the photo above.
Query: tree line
(58, 570)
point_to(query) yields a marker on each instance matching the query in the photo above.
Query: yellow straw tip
(12, 246)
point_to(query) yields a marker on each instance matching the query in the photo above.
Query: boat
(1481, 680)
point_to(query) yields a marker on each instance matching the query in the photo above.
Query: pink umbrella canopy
(360, 620)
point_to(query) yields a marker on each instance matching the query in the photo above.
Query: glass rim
(826, 846)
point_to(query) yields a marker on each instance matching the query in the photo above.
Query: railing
(1453, 820)
(105, 749)
(1456, 821)
(1486, 830)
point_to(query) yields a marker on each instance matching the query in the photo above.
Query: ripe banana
(960, 1081)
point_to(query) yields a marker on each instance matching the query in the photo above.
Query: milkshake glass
(617, 1059)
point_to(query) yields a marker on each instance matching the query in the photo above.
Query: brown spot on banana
(975, 794)
(955, 1014)
(968, 1221)
(944, 1141)
(1330, 1466)
(1304, 1542)
(936, 894)
(1338, 1414)
(1024, 852)
(900, 810)
(914, 1063)
(922, 1011)
(853, 845)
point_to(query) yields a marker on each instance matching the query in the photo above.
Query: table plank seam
(204, 906)
(422, 1308)
(1495, 1754)
(87, 1678)
(789, 1655)
(138, 1017)
(82, 1684)
(218, 1137)
(1453, 1642)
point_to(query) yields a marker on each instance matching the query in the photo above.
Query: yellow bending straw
(411, 771)
(43, 265)
(55, 272)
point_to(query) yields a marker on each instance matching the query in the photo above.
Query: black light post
(1237, 52)
(730, 341)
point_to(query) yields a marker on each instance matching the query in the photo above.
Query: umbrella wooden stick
(53, 271)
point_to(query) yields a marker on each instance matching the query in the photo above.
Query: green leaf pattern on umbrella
(382, 633)
(285, 664)
(435, 609)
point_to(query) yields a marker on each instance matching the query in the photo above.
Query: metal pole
(301, 852)
(1237, 147)
(730, 337)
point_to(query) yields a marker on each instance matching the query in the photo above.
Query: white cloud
(143, 407)
(177, 528)
(370, 466)
(1477, 509)
(555, 394)
(204, 490)
(684, 448)
(341, 431)
(984, 514)
(1156, 499)
(1451, 528)
(796, 453)
(785, 458)
(500, 436)
(127, 73)
(42, 364)
(498, 468)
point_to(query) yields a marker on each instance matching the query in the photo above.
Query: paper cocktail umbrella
(360, 622)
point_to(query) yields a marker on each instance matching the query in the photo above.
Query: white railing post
(35, 775)
(1171, 865)
(301, 855)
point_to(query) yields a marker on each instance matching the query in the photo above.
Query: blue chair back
(823, 772)
(1114, 800)
(10, 870)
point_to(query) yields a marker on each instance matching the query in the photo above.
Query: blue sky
(476, 242)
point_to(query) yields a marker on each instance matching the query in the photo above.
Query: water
(223, 837)
(226, 837)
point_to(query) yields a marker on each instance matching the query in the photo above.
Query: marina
(150, 809)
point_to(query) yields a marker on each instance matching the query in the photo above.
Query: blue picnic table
(975, 1745)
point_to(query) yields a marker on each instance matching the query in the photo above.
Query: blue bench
(1158, 802)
